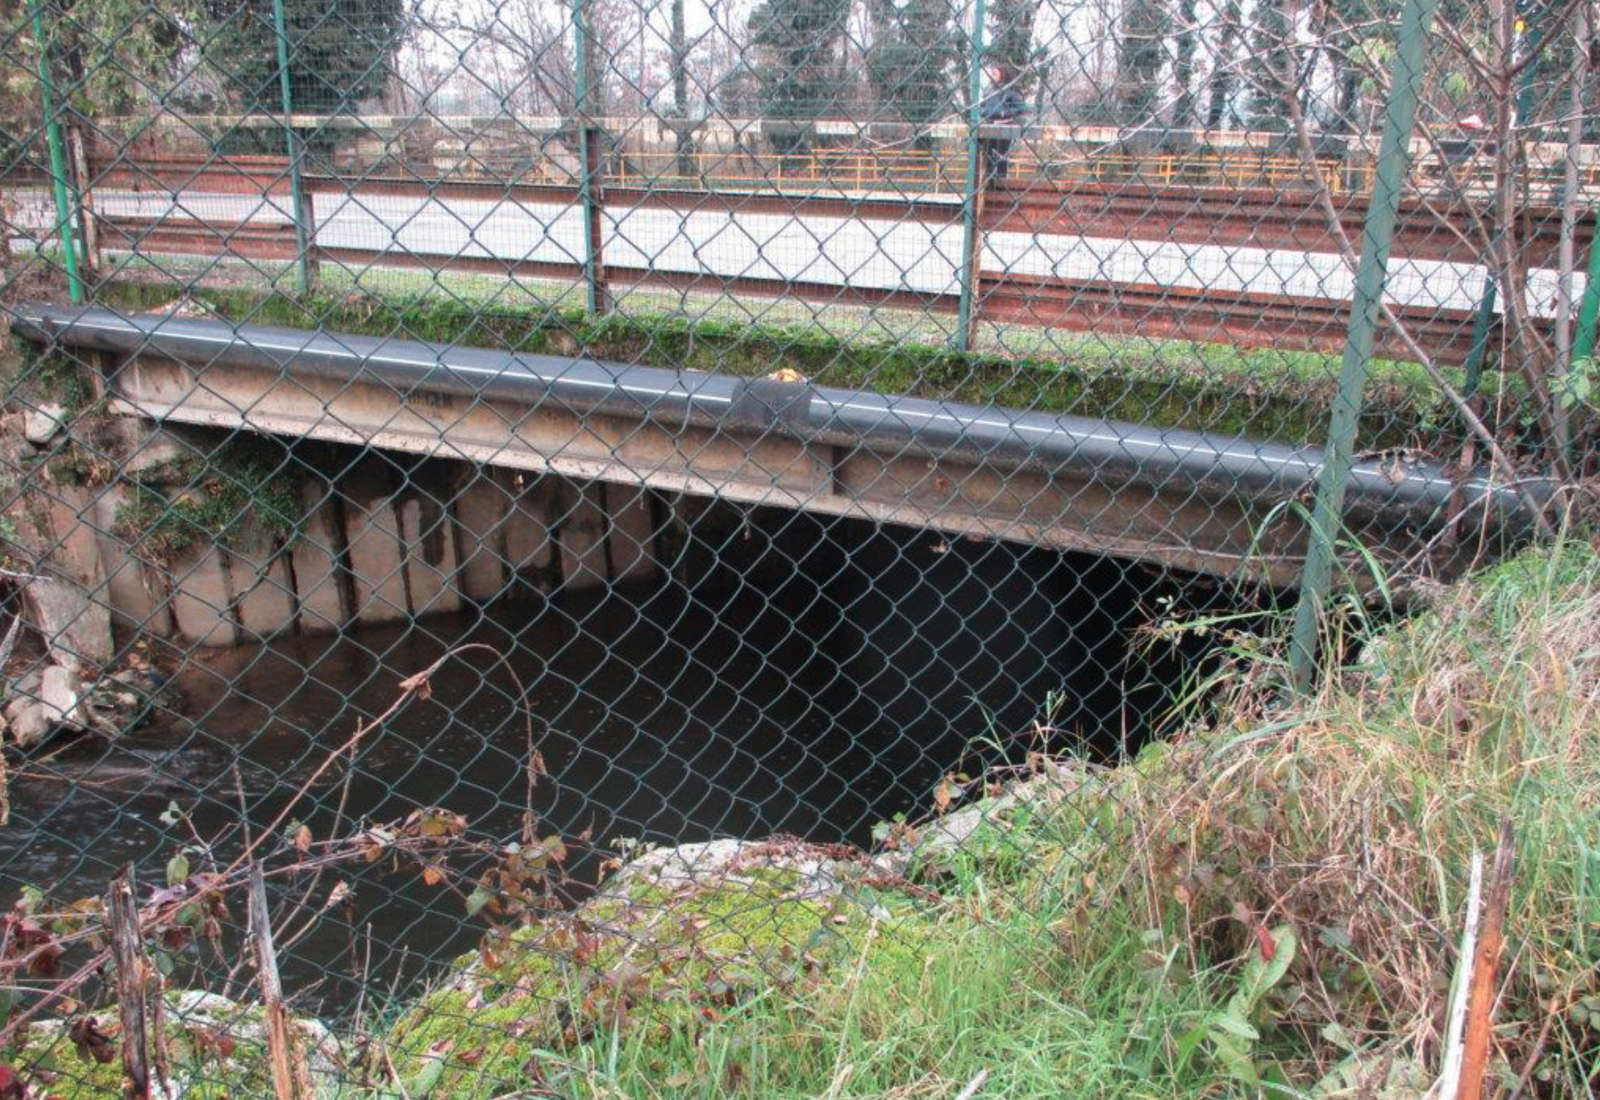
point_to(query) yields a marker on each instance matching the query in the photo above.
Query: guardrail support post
(597, 297)
(304, 229)
(971, 202)
(58, 162)
(1377, 235)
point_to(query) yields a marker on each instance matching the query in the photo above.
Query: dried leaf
(92, 1044)
(418, 683)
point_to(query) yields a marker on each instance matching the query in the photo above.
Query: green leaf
(478, 899)
(1230, 1021)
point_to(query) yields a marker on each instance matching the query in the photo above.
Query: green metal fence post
(1377, 235)
(595, 295)
(58, 162)
(302, 230)
(969, 201)
(1589, 310)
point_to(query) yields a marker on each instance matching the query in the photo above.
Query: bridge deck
(1197, 501)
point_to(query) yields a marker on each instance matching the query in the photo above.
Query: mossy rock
(677, 937)
(216, 1050)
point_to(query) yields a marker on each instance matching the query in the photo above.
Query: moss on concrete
(1260, 394)
(240, 495)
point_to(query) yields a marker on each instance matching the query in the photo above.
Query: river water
(791, 675)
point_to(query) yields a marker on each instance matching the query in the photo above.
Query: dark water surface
(798, 676)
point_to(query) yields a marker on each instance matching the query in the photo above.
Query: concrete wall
(385, 539)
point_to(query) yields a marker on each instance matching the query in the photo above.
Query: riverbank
(1275, 899)
(1269, 904)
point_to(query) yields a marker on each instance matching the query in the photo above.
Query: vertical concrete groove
(396, 506)
(456, 484)
(343, 574)
(608, 529)
(234, 598)
(281, 551)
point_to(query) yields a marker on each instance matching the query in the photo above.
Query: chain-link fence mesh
(535, 531)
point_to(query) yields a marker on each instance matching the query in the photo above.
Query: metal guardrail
(1186, 467)
(1178, 213)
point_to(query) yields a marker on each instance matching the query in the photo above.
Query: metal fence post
(970, 204)
(58, 162)
(1377, 235)
(1589, 310)
(596, 297)
(303, 231)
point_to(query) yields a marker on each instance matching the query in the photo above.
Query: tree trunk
(1222, 77)
(683, 140)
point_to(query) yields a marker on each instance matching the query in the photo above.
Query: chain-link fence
(630, 548)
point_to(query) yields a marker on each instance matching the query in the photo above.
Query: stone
(30, 726)
(529, 546)
(156, 448)
(717, 861)
(40, 425)
(215, 1046)
(137, 601)
(927, 849)
(58, 696)
(28, 683)
(70, 608)
(77, 630)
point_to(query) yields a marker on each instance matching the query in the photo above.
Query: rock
(40, 425)
(677, 929)
(66, 606)
(76, 628)
(917, 851)
(28, 683)
(29, 726)
(718, 861)
(58, 696)
(216, 1047)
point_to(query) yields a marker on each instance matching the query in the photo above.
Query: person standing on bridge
(1003, 105)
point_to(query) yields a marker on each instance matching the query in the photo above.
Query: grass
(1268, 393)
(1267, 905)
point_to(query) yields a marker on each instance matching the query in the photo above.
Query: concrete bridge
(1211, 504)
